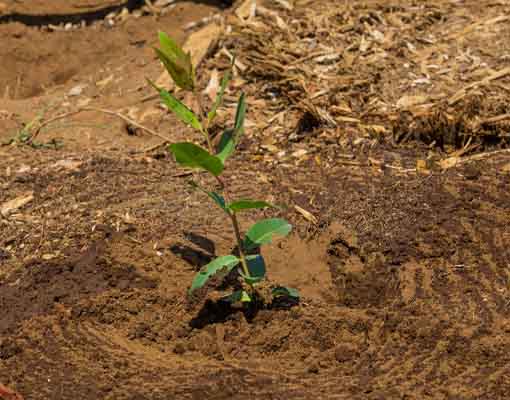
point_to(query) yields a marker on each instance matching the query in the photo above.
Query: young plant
(251, 267)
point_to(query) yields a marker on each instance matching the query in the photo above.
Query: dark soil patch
(403, 285)
(46, 285)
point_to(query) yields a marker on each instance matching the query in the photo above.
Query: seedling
(251, 267)
(26, 135)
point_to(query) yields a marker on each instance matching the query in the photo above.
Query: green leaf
(237, 296)
(226, 146)
(257, 268)
(263, 231)
(246, 204)
(193, 156)
(239, 121)
(230, 137)
(223, 263)
(170, 47)
(174, 105)
(217, 198)
(285, 292)
(180, 76)
(176, 61)
(219, 96)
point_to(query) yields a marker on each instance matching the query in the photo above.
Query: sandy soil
(404, 266)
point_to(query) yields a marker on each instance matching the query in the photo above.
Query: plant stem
(203, 120)
(232, 215)
(235, 224)
(209, 143)
(220, 181)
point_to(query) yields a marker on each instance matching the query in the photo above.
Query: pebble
(299, 153)
(345, 353)
(77, 90)
(179, 349)
(313, 368)
(67, 164)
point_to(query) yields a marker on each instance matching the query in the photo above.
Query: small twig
(307, 214)
(154, 147)
(152, 8)
(49, 121)
(187, 173)
(134, 240)
(102, 110)
(128, 120)
(348, 162)
(42, 235)
(400, 169)
(182, 174)
(309, 57)
(481, 156)
(493, 120)
(149, 97)
(462, 92)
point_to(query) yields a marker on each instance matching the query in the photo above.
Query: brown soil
(35, 58)
(404, 274)
(45, 8)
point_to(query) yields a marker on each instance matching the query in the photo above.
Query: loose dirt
(73, 40)
(400, 246)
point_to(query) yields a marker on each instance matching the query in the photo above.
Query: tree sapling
(252, 270)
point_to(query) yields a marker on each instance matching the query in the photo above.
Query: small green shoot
(26, 135)
(252, 270)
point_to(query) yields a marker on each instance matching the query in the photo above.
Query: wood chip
(238, 63)
(462, 92)
(306, 214)
(213, 86)
(12, 205)
(246, 10)
(285, 4)
(410, 101)
(348, 119)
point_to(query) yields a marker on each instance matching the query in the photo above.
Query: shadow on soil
(90, 16)
(41, 285)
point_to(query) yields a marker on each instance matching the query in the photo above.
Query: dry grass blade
(306, 214)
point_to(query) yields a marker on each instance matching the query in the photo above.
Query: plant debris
(434, 72)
